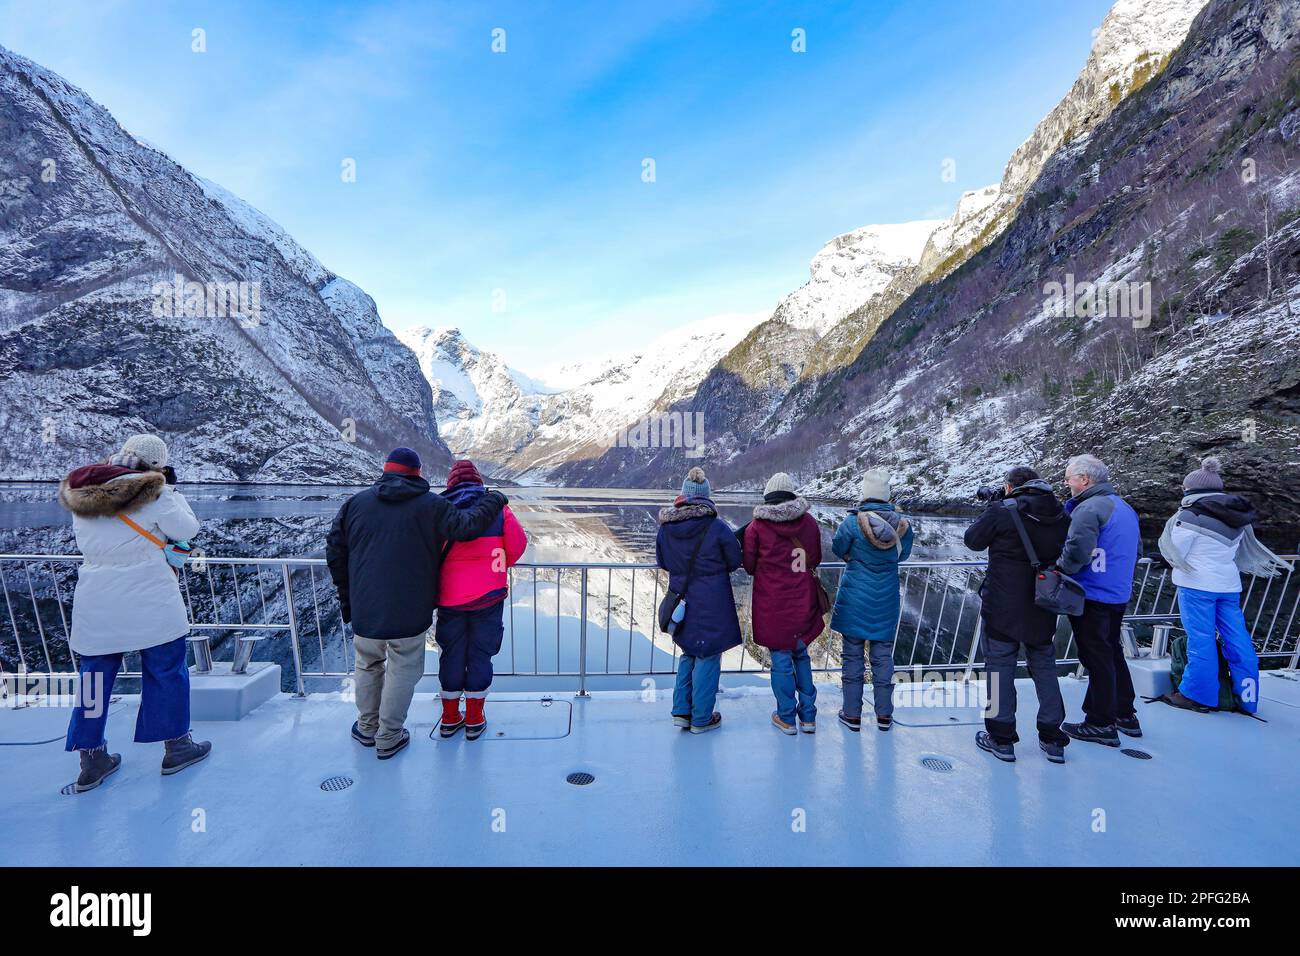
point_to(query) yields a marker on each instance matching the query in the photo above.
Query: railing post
(293, 630)
(1160, 640)
(974, 643)
(582, 637)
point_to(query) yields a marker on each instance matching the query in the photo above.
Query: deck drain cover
(68, 790)
(937, 764)
(331, 784)
(1139, 754)
(580, 779)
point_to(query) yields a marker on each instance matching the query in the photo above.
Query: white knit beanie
(875, 484)
(779, 482)
(144, 451)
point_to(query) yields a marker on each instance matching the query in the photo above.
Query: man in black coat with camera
(1009, 614)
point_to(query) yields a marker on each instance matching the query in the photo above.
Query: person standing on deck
(782, 549)
(1009, 615)
(1101, 553)
(872, 541)
(699, 551)
(1209, 543)
(384, 553)
(470, 605)
(127, 514)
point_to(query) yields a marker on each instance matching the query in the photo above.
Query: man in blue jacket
(385, 552)
(1100, 553)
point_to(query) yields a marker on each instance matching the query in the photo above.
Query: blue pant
(791, 672)
(164, 696)
(854, 672)
(1203, 613)
(468, 640)
(697, 687)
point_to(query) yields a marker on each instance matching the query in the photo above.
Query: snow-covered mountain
(135, 296)
(787, 369)
(525, 426)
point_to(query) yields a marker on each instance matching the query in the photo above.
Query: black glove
(497, 496)
(169, 474)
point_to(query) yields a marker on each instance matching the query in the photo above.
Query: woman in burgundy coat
(782, 548)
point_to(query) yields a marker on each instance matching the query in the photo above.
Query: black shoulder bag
(671, 598)
(1053, 591)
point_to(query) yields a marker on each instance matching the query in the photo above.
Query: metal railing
(286, 610)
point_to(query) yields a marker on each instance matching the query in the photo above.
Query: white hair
(1090, 466)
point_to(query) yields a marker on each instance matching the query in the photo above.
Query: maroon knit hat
(463, 471)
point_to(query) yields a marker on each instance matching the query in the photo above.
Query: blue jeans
(164, 696)
(468, 640)
(791, 672)
(1204, 613)
(697, 687)
(882, 675)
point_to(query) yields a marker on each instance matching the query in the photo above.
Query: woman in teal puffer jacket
(872, 541)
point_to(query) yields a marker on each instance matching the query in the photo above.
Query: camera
(990, 493)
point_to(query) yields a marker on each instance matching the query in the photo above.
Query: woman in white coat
(124, 512)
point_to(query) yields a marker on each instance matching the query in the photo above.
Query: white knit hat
(875, 484)
(146, 451)
(779, 482)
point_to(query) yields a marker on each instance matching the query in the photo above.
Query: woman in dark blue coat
(710, 625)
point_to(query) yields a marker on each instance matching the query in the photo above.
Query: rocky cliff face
(788, 369)
(1187, 197)
(136, 297)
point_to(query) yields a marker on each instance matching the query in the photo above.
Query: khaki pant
(387, 672)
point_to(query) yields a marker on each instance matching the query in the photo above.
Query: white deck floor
(1219, 789)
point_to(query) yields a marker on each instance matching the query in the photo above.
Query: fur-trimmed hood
(105, 491)
(689, 508)
(791, 510)
(883, 528)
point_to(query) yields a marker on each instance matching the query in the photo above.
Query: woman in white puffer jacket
(128, 598)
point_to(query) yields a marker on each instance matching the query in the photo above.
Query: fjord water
(607, 525)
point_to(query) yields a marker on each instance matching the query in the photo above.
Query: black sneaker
(1004, 752)
(1106, 736)
(1128, 726)
(853, 723)
(364, 739)
(95, 766)
(1055, 752)
(402, 741)
(182, 752)
(884, 723)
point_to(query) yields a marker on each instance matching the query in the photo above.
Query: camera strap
(1013, 506)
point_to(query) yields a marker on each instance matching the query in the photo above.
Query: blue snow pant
(468, 640)
(791, 673)
(854, 672)
(164, 696)
(697, 687)
(1203, 613)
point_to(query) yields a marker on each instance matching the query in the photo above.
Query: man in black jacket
(385, 552)
(1010, 616)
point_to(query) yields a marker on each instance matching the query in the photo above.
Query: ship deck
(1217, 789)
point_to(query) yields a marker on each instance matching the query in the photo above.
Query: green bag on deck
(1178, 664)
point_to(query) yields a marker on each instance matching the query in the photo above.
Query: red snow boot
(475, 722)
(452, 721)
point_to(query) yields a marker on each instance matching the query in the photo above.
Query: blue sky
(522, 171)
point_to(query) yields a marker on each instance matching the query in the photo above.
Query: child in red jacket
(471, 603)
